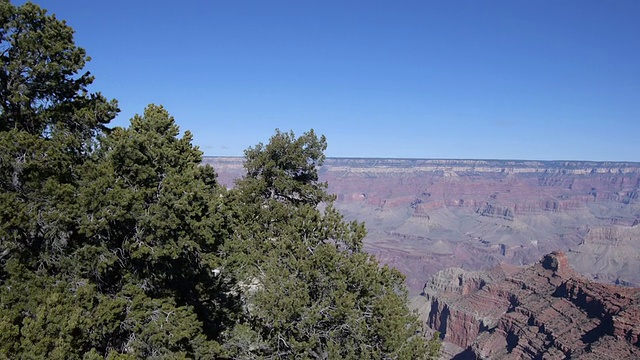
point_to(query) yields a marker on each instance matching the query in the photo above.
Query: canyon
(486, 245)
(423, 216)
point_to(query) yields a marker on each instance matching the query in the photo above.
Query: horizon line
(637, 163)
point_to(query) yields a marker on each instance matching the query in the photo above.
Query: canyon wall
(426, 215)
(543, 311)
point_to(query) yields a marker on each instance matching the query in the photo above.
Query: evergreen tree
(119, 244)
(48, 126)
(107, 238)
(309, 290)
(152, 221)
(137, 277)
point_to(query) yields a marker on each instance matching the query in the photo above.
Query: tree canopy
(118, 243)
(309, 289)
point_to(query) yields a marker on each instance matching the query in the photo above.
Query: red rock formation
(545, 311)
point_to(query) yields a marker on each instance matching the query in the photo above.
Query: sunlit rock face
(427, 215)
(543, 311)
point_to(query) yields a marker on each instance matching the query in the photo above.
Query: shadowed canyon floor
(426, 215)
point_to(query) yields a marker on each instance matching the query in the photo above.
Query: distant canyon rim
(425, 215)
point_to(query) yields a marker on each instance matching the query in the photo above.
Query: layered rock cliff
(544, 311)
(426, 215)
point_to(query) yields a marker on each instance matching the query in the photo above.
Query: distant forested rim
(119, 243)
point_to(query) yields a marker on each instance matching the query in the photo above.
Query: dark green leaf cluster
(118, 244)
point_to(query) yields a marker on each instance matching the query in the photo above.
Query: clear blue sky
(423, 79)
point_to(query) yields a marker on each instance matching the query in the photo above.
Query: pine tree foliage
(48, 126)
(287, 168)
(41, 93)
(309, 289)
(140, 257)
(119, 244)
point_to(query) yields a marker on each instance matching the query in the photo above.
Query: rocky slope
(544, 311)
(426, 215)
